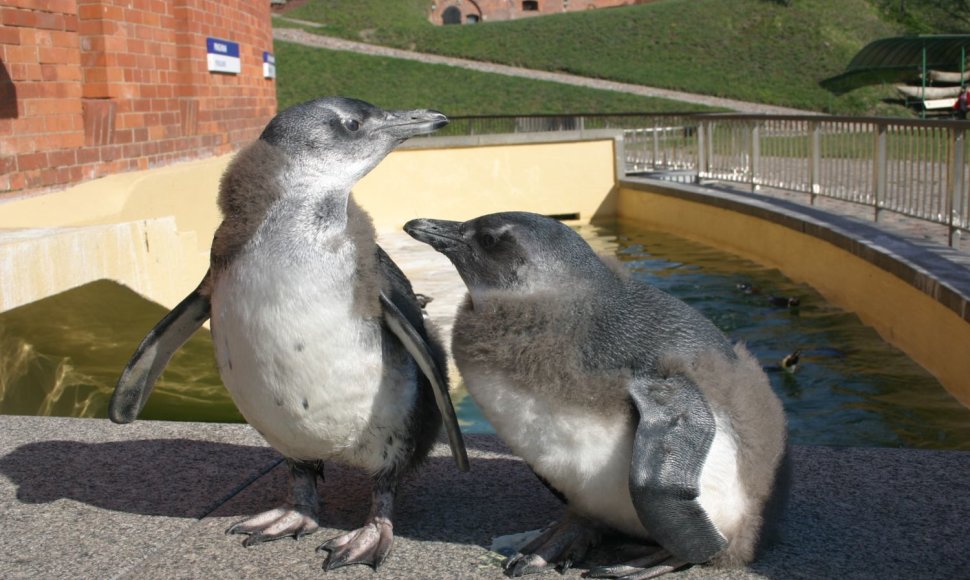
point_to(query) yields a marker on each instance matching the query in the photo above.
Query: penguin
(624, 400)
(318, 335)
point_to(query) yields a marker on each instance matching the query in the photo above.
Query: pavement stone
(89, 499)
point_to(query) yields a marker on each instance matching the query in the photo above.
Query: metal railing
(916, 168)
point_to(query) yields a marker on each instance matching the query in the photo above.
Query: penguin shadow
(435, 503)
(184, 478)
(179, 478)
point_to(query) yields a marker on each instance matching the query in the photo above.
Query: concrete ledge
(90, 499)
(938, 271)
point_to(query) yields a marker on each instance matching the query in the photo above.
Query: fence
(917, 168)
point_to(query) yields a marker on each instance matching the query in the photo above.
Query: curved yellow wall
(930, 333)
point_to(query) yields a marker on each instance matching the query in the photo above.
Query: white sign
(223, 56)
(269, 65)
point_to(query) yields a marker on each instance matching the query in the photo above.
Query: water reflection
(62, 356)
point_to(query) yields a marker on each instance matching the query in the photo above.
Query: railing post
(957, 185)
(755, 165)
(879, 168)
(702, 137)
(815, 161)
(656, 142)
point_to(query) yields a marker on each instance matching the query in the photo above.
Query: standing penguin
(318, 336)
(625, 401)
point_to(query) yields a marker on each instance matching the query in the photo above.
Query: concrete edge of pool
(90, 499)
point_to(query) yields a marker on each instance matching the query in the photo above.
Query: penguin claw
(560, 544)
(275, 524)
(523, 565)
(656, 564)
(368, 545)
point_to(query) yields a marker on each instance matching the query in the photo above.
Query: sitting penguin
(625, 401)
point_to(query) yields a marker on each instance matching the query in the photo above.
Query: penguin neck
(308, 176)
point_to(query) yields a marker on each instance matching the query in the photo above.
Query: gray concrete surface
(85, 498)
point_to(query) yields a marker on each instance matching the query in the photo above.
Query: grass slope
(304, 73)
(755, 50)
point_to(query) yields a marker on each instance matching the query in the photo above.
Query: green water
(62, 355)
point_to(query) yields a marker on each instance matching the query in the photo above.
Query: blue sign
(223, 55)
(269, 65)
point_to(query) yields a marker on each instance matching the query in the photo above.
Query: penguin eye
(352, 124)
(488, 241)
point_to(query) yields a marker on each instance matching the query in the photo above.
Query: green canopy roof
(901, 58)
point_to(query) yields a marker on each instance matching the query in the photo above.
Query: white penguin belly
(302, 367)
(583, 455)
(587, 457)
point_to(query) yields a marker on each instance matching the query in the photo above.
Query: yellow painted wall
(54, 242)
(149, 256)
(465, 182)
(931, 334)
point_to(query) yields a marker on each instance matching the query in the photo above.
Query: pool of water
(62, 355)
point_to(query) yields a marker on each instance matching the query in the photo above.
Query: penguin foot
(283, 522)
(655, 564)
(560, 544)
(368, 545)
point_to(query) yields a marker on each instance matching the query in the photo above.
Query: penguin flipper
(156, 349)
(418, 348)
(673, 437)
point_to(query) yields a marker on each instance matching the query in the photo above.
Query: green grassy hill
(304, 73)
(756, 50)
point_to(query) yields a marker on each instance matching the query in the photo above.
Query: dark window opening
(451, 15)
(530, 5)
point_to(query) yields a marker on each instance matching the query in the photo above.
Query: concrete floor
(85, 498)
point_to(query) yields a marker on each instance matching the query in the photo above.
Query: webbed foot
(655, 564)
(369, 545)
(560, 545)
(296, 519)
(282, 522)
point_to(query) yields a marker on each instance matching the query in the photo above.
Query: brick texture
(92, 87)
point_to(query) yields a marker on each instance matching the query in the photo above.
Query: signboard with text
(223, 56)
(269, 65)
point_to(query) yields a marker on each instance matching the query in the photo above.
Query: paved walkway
(332, 43)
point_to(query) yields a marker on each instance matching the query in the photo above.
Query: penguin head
(335, 141)
(512, 251)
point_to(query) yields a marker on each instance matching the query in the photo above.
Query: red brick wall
(92, 87)
(495, 10)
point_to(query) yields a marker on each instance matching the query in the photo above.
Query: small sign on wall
(269, 65)
(223, 56)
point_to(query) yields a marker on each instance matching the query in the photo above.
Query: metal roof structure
(902, 58)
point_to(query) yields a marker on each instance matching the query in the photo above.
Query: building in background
(94, 87)
(472, 11)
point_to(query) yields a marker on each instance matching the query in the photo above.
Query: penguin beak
(405, 124)
(442, 235)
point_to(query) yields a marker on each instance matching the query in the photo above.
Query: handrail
(914, 167)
